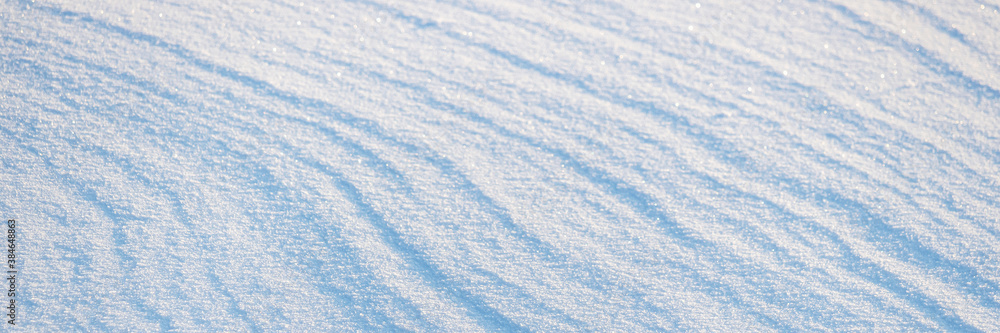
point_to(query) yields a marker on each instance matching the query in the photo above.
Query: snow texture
(454, 165)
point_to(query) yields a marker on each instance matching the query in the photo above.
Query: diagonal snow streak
(503, 166)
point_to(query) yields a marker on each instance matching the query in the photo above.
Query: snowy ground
(503, 165)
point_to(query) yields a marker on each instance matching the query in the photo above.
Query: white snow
(376, 165)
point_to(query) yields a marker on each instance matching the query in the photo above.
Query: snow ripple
(503, 166)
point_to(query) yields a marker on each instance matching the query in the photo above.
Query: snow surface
(457, 165)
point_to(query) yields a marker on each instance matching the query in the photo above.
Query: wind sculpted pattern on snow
(503, 166)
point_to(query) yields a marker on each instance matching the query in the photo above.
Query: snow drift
(503, 165)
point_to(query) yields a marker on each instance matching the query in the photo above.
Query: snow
(376, 165)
